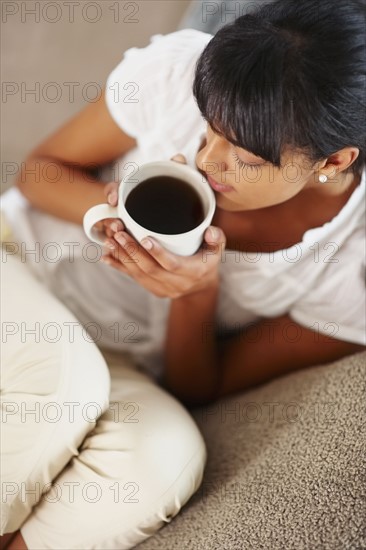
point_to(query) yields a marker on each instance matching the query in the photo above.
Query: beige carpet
(286, 467)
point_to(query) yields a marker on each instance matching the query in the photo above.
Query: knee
(176, 443)
(152, 449)
(150, 435)
(156, 428)
(168, 445)
(176, 457)
(179, 459)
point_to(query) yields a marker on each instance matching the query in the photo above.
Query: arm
(56, 176)
(191, 356)
(196, 369)
(196, 372)
(274, 347)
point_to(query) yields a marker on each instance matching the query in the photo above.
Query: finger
(179, 158)
(104, 228)
(127, 251)
(132, 253)
(155, 262)
(114, 225)
(215, 235)
(140, 265)
(112, 198)
(150, 285)
(119, 254)
(179, 265)
(109, 226)
(213, 246)
(166, 259)
(108, 231)
(109, 260)
(176, 270)
(111, 192)
(99, 226)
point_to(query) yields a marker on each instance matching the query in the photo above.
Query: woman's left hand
(163, 273)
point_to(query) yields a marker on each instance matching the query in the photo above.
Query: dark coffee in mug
(167, 205)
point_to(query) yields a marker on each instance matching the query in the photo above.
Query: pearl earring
(323, 178)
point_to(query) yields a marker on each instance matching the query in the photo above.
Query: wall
(59, 49)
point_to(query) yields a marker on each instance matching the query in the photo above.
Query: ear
(338, 162)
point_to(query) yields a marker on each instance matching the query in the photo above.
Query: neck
(342, 185)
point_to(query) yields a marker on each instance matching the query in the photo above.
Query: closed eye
(244, 164)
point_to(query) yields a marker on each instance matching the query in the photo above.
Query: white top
(319, 282)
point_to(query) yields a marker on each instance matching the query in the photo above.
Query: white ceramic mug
(183, 244)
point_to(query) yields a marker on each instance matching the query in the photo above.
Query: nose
(210, 157)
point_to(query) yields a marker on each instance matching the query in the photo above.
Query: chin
(229, 205)
(225, 203)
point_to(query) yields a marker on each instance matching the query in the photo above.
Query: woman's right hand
(110, 226)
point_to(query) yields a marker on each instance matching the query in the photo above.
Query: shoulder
(163, 53)
(155, 79)
(186, 42)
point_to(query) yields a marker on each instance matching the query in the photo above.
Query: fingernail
(214, 233)
(179, 158)
(110, 245)
(112, 197)
(116, 226)
(147, 244)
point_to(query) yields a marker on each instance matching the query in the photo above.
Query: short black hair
(289, 74)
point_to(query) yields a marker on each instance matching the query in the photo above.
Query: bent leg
(135, 471)
(53, 389)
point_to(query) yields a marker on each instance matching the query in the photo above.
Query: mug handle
(94, 215)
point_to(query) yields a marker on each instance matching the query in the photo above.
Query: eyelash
(243, 164)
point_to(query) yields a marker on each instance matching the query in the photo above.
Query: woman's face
(242, 181)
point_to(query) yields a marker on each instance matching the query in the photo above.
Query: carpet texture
(286, 467)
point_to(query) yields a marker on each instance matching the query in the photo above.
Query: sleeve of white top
(146, 83)
(336, 305)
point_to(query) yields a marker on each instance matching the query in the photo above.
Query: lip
(219, 187)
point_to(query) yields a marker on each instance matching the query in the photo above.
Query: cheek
(260, 188)
(286, 180)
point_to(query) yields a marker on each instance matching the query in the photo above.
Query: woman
(278, 284)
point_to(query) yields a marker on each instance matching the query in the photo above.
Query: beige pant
(91, 457)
